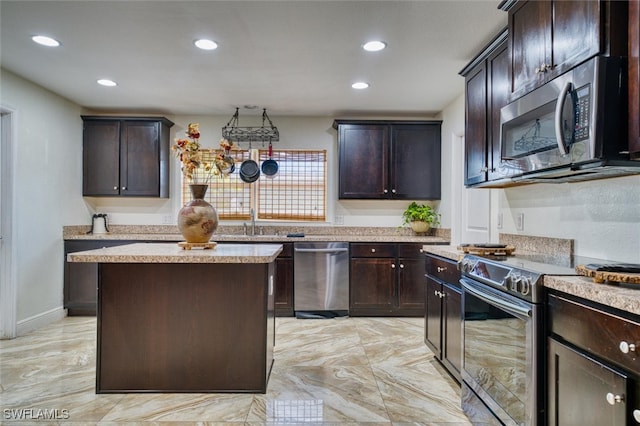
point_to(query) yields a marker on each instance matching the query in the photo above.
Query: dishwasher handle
(321, 250)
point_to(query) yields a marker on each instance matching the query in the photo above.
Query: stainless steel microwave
(571, 128)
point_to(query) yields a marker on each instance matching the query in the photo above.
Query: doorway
(471, 208)
(8, 289)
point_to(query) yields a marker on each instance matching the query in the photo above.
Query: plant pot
(197, 220)
(419, 227)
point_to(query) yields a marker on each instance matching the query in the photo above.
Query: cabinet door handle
(441, 269)
(393, 266)
(373, 250)
(124, 188)
(115, 188)
(386, 191)
(636, 415)
(421, 251)
(401, 266)
(393, 191)
(614, 399)
(543, 68)
(625, 347)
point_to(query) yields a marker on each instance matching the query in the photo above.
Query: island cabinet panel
(593, 363)
(185, 327)
(386, 279)
(381, 159)
(126, 156)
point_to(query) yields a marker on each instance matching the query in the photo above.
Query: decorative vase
(197, 220)
(419, 227)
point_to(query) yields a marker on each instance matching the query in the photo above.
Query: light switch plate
(338, 220)
(500, 220)
(520, 222)
(167, 219)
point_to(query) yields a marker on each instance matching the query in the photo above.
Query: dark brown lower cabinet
(581, 389)
(443, 313)
(81, 279)
(386, 279)
(284, 282)
(593, 372)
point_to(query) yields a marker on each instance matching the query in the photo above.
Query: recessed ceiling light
(46, 41)
(374, 46)
(360, 85)
(107, 82)
(206, 44)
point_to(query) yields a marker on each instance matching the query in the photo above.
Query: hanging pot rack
(233, 132)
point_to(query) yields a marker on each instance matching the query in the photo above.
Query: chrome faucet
(253, 222)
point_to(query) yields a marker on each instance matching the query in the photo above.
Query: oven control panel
(519, 282)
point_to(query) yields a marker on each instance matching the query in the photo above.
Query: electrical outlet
(500, 220)
(338, 220)
(520, 221)
(167, 219)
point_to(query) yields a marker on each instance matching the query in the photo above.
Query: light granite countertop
(620, 296)
(172, 253)
(625, 297)
(267, 238)
(264, 233)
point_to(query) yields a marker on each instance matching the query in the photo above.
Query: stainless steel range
(503, 358)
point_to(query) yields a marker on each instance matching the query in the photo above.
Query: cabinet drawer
(598, 332)
(443, 269)
(410, 250)
(373, 250)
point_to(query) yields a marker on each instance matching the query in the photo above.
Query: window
(296, 192)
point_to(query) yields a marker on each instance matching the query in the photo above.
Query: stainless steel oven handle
(476, 290)
(558, 117)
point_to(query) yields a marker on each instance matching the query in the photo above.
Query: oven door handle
(558, 117)
(493, 298)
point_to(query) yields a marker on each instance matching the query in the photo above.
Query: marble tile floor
(345, 371)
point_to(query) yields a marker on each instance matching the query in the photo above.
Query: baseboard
(38, 321)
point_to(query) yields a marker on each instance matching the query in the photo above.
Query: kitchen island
(173, 320)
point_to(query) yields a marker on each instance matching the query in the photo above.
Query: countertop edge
(619, 296)
(623, 297)
(263, 238)
(170, 253)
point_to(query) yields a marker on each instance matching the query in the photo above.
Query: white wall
(48, 192)
(295, 132)
(602, 216)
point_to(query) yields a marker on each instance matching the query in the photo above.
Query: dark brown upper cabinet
(486, 92)
(549, 37)
(125, 156)
(389, 159)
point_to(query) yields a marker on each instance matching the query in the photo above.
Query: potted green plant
(420, 217)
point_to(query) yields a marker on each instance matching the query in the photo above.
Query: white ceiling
(291, 57)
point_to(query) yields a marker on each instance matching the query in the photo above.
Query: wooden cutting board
(603, 276)
(487, 251)
(205, 246)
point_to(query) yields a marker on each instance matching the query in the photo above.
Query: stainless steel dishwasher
(320, 279)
